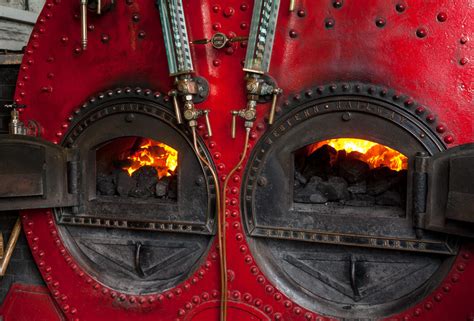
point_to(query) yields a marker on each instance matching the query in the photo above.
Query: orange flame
(158, 155)
(374, 154)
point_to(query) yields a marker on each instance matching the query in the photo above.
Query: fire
(376, 155)
(151, 153)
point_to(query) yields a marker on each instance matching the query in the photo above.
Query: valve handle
(292, 5)
(276, 92)
(234, 122)
(177, 111)
(208, 122)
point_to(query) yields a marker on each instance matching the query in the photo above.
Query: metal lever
(177, 111)
(84, 24)
(276, 92)
(292, 5)
(234, 122)
(208, 122)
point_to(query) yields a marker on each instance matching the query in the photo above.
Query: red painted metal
(420, 48)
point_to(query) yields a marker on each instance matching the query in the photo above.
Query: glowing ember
(376, 155)
(155, 154)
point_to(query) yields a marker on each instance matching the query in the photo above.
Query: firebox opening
(137, 167)
(349, 172)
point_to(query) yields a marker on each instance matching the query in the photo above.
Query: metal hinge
(420, 192)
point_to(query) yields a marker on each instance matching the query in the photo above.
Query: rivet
(216, 8)
(228, 12)
(421, 32)
(380, 22)
(440, 129)
(243, 248)
(64, 39)
(308, 316)
(455, 278)
(254, 270)
(260, 279)
(269, 289)
(247, 297)
(301, 13)
(268, 309)
(236, 295)
(248, 259)
(229, 51)
(417, 312)
(104, 38)
(400, 7)
(91, 27)
(463, 61)
(216, 26)
(288, 304)
(461, 267)
(337, 4)
(466, 256)
(141, 34)
(205, 296)
(243, 7)
(430, 118)
(135, 17)
(463, 40)
(243, 25)
(297, 310)
(257, 302)
(449, 139)
(438, 297)
(188, 306)
(329, 23)
(428, 305)
(77, 50)
(442, 17)
(129, 2)
(277, 316)
(346, 116)
(420, 110)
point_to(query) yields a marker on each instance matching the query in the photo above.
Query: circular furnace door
(146, 214)
(328, 205)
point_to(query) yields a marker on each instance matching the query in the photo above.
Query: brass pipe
(224, 189)
(10, 247)
(84, 24)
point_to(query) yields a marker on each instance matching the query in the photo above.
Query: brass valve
(186, 89)
(257, 87)
(248, 114)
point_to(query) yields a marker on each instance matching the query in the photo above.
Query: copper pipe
(10, 247)
(224, 189)
(220, 230)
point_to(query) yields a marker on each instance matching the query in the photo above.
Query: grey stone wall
(17, 18)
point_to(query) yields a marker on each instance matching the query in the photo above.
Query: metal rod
(99, 7)
(84, 24)
(10, 247)
(292, 5)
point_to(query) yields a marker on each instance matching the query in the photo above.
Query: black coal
(330, 176)
(143, 183)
